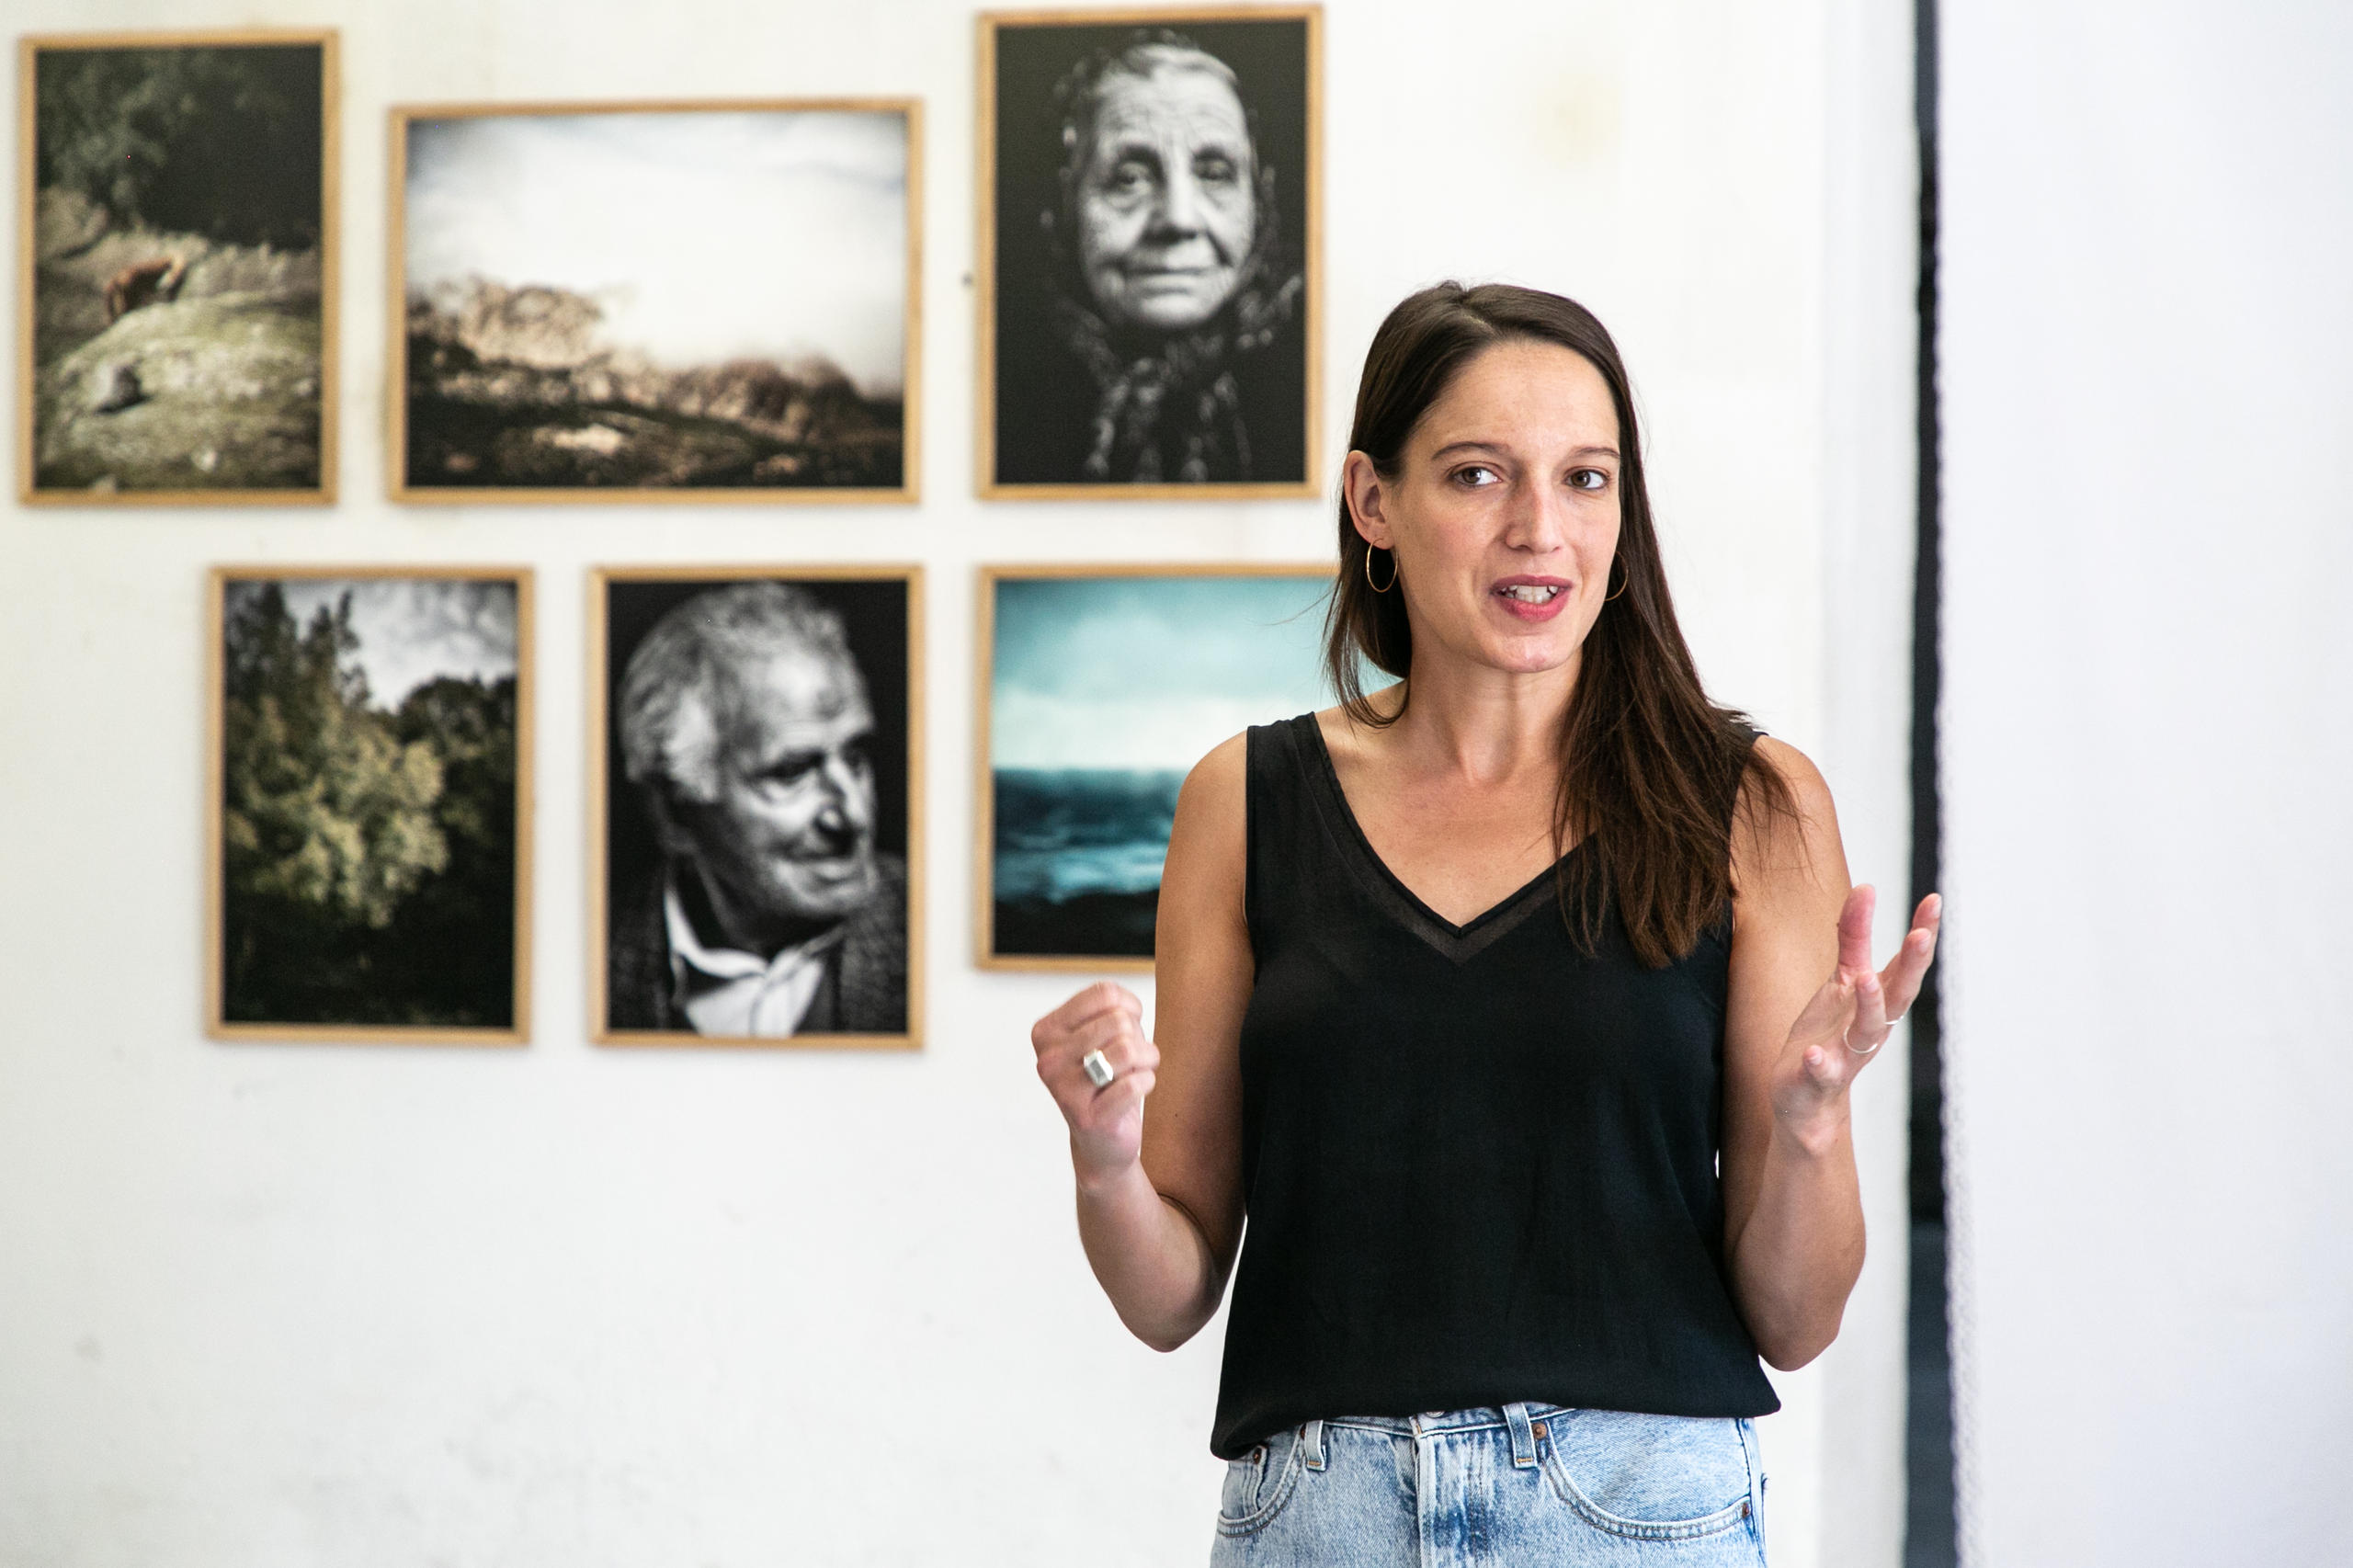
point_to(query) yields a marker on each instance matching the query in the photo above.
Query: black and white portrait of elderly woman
(756, 869)
(1151, 309)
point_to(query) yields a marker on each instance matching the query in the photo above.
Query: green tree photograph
(368, 801)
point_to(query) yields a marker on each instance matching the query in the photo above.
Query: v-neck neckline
(1459, 942)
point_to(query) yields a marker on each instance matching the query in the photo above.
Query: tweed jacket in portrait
(864, 990)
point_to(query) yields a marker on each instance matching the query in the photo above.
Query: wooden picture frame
(1038, 947)
(604, 406)
(888, 661)
(1278, 314)
(164, 355)
(462, 639)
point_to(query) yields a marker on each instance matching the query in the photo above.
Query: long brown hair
(1650, 768)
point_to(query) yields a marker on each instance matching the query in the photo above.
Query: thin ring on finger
(1864, 1049)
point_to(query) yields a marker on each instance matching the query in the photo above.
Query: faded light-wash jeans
(1528, 1486)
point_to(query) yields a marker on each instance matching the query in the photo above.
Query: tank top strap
(1284, 834)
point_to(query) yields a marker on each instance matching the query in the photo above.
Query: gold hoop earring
(1369, 583)
(1622, 586)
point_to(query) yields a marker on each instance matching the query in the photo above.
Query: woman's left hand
(1849, 1020)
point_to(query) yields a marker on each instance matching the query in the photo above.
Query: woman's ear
(1360, 484)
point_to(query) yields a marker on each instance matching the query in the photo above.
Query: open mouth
(1533, 599)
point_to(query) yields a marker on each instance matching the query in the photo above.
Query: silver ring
(1099, 1070)
(1859, 1051)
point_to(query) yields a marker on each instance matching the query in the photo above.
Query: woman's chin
(1532, 648)
(1535, 661)
(1169, 313)
(1533, 652)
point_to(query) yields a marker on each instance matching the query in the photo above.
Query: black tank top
(1479, 1165)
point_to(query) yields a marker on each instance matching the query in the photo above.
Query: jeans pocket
(1648, 1477)
(1259, 1484)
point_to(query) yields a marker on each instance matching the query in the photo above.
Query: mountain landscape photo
(675, 300)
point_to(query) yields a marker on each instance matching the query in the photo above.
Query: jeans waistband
(1471, 1420)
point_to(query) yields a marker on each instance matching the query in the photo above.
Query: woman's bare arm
(1806, 1012)
(1160, 1197)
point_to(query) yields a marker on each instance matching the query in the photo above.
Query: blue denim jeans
(1527, 1484)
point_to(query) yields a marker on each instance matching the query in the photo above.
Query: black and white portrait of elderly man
(1150, 299)
(769, 908)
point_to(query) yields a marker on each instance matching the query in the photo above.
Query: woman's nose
(1539, 521)
(1180, 201)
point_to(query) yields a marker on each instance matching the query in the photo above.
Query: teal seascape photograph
(1103, 687)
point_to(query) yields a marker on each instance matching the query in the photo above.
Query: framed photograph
(756, 819)
(1150, 246)
(176, 275)
(370, 804)
(1100, 686)
(688, 302)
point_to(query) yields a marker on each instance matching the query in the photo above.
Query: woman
(1169, 354)
(1468, 990)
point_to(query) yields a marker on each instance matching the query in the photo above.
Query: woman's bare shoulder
(1221, 777)
(1209, 852)
(1809, 791)
(1775, 849)
(1216, 792)
(1213, 810)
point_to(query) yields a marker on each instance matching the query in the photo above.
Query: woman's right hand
(1106, 1124)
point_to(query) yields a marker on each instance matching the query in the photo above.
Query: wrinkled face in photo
(789, 832)
(1167, 206)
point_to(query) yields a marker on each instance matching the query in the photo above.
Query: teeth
(1531, 594)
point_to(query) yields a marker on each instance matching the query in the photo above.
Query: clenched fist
(1107, 1123)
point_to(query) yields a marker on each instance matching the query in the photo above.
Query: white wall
(289, 1305)
(2149, 528)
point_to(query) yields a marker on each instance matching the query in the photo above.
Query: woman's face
(1167, 209)
(1504, 513)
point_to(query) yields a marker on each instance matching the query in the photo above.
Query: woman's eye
(1589, 479)
(1212, 168)
(1477, 475)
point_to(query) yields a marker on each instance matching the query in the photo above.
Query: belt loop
(1311, 1443)
(1523, 1434)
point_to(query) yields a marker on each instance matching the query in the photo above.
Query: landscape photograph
(706, 301)
(177, 257)
(1104, 687)
(371, 805)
